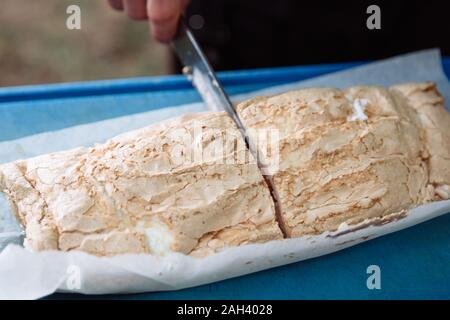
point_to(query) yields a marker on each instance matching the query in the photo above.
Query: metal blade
(200, 73)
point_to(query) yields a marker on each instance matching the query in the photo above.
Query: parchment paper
(28, 275)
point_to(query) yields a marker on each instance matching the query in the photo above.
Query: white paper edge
(133, 273)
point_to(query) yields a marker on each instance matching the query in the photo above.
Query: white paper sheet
(46, 272)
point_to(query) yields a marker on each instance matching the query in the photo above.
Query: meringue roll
(188, 185)
(346, 156)
(326, 158)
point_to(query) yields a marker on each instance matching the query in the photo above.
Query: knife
(200, 73)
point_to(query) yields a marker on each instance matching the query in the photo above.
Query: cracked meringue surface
(350, 155)
(335, 158)
(187, 185)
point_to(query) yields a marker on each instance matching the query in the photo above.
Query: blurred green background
(36, 46)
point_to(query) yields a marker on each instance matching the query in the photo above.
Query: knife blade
(201, 74)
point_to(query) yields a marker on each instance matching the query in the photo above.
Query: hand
(163, 15)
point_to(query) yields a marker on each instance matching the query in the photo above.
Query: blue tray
(414, 262)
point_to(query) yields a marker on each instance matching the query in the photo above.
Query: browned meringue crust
(333, 170)
(137, 194)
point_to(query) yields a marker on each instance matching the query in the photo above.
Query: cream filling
(358, 110)
(158, 235)
(443, 191)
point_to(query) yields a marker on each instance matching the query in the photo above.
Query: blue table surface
(414, 263)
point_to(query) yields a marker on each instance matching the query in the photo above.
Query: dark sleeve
(240, 34)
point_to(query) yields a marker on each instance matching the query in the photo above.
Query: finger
(116, 4)
(164, 32)
(136, 9)
(163, 16)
